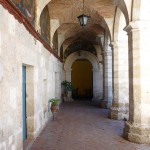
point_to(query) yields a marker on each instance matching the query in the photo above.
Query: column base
(105, 104)
(68, 99)
(137, 133)
(118, 113)
(96, 101)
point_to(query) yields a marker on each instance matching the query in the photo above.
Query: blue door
(24, 124)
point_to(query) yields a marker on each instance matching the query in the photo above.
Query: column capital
(128, 28)
(119, 44)
(137, 25)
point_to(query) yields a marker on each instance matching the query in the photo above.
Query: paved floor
(82, 126)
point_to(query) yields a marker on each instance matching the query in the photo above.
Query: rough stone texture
(119, 109)
(1, 70)
(18, 47)
(67, 11)
(137, 133)
(139, 87)
(107, 101)
(82, 126)
(119, 112)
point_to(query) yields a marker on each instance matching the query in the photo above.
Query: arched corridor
(40, 40)
(83, 126)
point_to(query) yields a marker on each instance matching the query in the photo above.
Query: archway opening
(82, 80)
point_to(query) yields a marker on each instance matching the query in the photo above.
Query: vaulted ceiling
(69, 31)
(57, 22)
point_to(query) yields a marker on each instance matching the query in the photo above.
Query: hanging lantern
(83, 19)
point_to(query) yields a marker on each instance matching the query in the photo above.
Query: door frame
(24, 121)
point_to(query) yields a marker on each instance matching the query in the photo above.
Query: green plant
(68, 85)
(54, 101)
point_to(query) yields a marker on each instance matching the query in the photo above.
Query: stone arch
(97, 72)
(120, 66)
(45, 24)
(122, 5)
(70, 46)
(69, 32)
(85, 55)
(40, 5)
(119, 25)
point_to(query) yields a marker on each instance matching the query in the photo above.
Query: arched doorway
(97, 70)
(82, 79)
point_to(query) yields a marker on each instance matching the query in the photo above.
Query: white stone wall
(18, 47)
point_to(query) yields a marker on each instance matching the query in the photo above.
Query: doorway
(82, 79)
(24, 121)
(27, 102)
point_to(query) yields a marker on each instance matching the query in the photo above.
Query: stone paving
(82, 126)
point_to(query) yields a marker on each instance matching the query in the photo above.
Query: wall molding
(7, 4)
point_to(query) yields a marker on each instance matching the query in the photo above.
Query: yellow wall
(82, 76)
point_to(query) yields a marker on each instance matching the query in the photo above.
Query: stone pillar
(107, 101)
(68, 74)
(137, 129)
(120, 104)
(97, 84)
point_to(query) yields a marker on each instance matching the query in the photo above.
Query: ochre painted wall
(82, 76)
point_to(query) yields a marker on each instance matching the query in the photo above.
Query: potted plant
(54, 104)
(68, 87)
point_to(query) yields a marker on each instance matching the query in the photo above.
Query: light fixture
(83, 19)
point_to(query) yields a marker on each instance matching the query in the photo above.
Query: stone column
(137, 129)
(107, 101)
(97, 84)
(120, 104)
(68, 74)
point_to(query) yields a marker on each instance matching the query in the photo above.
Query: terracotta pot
(54, 108)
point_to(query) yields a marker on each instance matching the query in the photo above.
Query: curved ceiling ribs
(67, 31)
(74, 33)
(59, 19)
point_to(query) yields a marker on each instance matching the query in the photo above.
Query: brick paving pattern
(82, 126)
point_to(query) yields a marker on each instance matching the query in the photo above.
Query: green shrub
(54, 101)
(68, 85)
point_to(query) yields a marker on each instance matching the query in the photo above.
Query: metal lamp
(83, 19)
